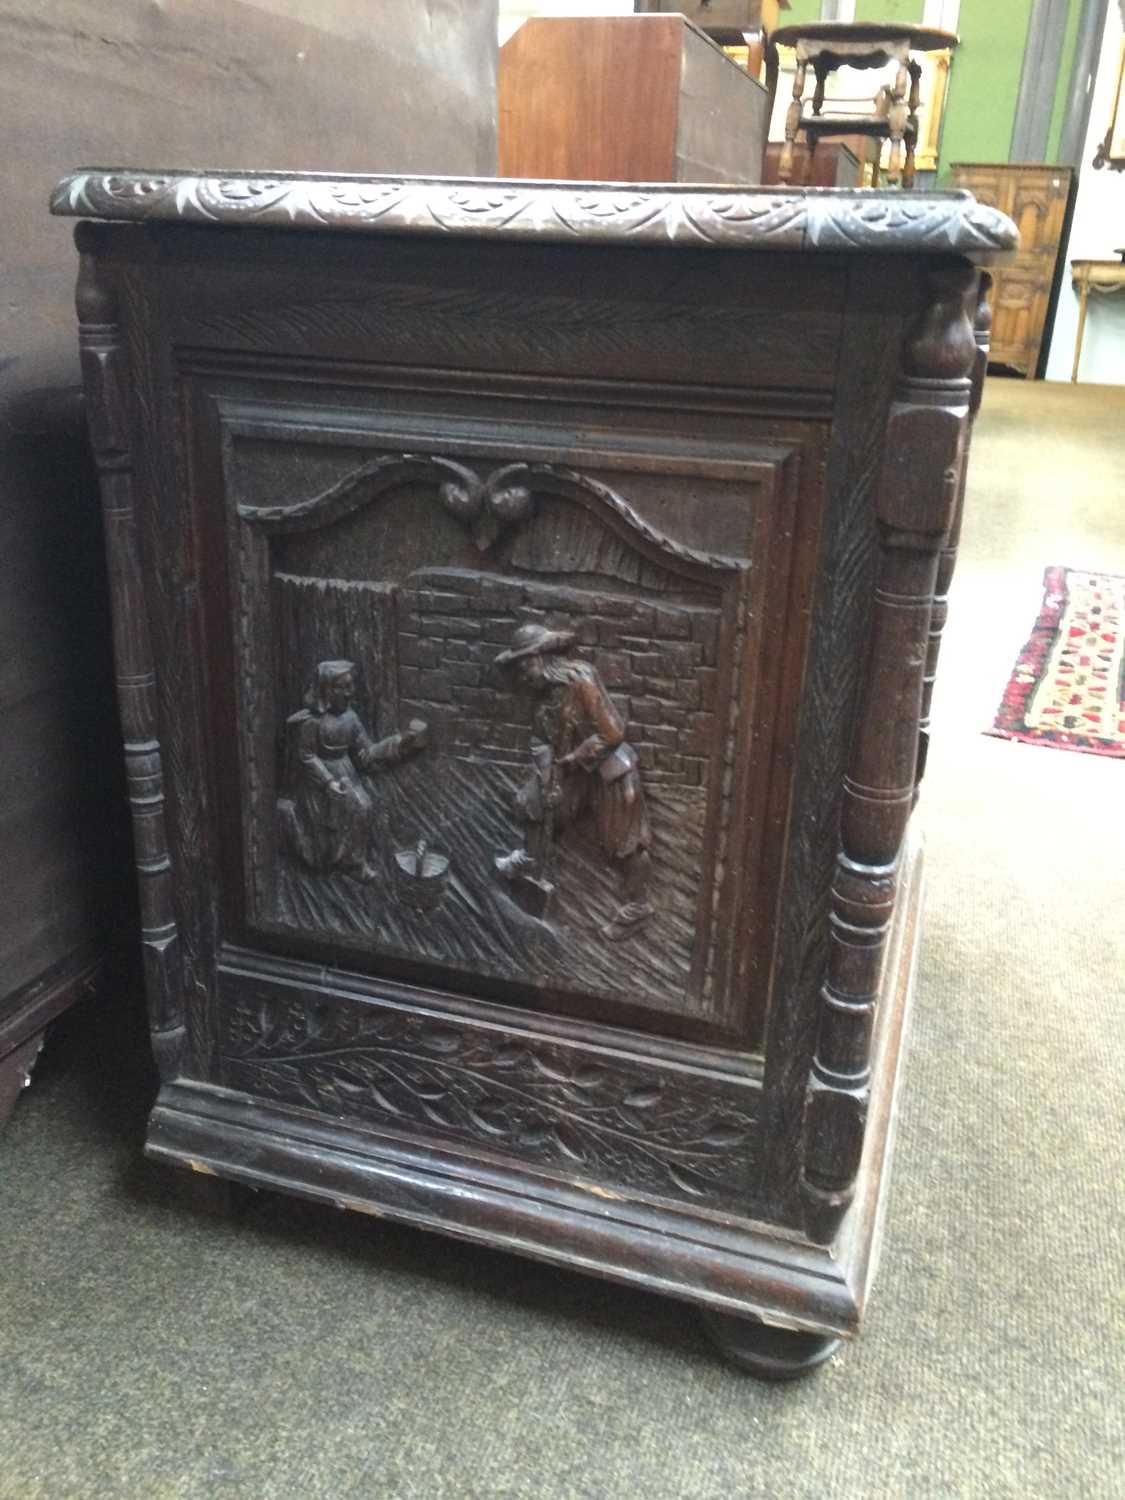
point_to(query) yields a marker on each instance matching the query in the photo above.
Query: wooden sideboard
(1038, 199)
(646, 98)
(527, 601)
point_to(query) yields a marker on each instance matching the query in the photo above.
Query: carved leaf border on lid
(751, 218)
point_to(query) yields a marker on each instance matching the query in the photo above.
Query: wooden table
(1107, 276)
(527, 599)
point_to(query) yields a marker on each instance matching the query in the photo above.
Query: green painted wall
(799, 11)
(905, 12)
(984, 83)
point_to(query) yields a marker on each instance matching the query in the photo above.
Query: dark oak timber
(947, 561)
(915, 502)
(29, 1010)
(527, 600)
(106, 379)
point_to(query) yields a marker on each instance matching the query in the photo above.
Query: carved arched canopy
(492, 504)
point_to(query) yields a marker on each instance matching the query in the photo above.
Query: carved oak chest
(526, 603)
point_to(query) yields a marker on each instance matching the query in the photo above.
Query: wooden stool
(830, 45)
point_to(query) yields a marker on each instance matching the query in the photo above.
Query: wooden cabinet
(834, 163)
(97, 80)
(728, 21)
(627, 99)
(524, 638)
(1037, 198)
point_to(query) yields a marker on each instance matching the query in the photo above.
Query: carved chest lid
(808, 219)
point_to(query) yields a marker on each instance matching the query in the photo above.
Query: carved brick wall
(658, 661)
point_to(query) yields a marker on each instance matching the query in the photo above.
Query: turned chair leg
(821, 72)
(912, 123)
(898, 111)
(792, 124)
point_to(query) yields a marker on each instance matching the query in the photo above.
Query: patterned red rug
(1068, 687)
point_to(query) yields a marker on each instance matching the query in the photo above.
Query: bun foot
(205, 1193)
(770, 1353)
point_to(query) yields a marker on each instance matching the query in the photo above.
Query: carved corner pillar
(916, 498)
(982, 327)
(106, 380)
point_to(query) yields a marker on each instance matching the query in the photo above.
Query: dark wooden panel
(661, 624)
(616, 314)
(180, 80)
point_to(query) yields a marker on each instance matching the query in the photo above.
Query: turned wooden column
(793, 119)
(916, 498)
(898, 114)
(106, 380)
(912, 123)
(947, 561)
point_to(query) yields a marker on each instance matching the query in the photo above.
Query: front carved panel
(491, 712)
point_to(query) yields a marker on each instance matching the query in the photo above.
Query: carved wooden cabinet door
(524, 655)
(1037, 197)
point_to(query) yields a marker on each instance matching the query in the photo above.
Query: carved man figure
(584, 768)
(329, 823)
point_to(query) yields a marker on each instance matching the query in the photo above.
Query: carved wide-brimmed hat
(535, 640)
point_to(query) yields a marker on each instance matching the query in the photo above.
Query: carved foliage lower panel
(574, 1111)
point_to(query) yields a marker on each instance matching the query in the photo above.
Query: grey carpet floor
(150, 1351)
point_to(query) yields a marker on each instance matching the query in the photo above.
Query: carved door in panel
(1019, 306)
(500, 729)
(1038, 205)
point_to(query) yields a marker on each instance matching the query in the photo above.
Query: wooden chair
(828, 45)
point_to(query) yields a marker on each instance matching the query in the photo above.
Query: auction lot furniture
(627, 99)
(837, 164)
(527, 599)
(305, 90)
(830, 45)
(1037, 198)
(728, 21)
(1086, 276)
(731, 23)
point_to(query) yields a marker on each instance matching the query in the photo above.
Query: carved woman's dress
(329, 822)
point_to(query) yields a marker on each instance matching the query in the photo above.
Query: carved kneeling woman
(329, 822)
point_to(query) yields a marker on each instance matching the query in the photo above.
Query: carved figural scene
(511, 757)
(582, 766)
(328, 823)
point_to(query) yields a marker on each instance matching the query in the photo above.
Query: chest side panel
(503, 640)
(575, 711)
